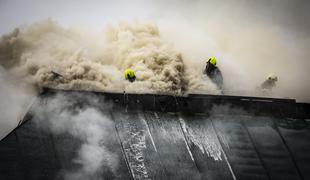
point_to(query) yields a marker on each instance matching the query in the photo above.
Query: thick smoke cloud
(250, 38)
(43, 49)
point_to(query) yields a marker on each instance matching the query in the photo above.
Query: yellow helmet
(129, 74)
(212, 60)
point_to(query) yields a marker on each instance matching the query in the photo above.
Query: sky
(292, 14)
(88, 14)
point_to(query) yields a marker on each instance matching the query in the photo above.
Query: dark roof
(168, 137)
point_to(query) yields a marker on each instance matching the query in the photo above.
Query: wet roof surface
(166, 140)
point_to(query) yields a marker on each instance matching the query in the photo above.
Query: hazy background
(292, 15)
(250, 38)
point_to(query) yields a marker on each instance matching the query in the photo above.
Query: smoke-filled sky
(250, 39)
(292, 15)
(88, 14)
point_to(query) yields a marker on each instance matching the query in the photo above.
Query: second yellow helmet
(212, 60)
(129, 74)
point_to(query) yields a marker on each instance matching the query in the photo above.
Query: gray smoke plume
(251, 39)
(15, 98)
(44, 49)
(60, 115)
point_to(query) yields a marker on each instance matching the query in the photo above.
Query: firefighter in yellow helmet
(270, 82)
(213, 72)
(130, 75)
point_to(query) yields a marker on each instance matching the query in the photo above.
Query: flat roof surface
(158, 137)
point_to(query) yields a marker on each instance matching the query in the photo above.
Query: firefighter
(270, 82)
(130, 75)
(213, 72)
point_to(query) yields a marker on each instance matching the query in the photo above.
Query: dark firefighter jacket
(131, 79)
(214, 73)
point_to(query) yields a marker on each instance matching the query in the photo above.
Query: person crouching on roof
(265, 89)
(130, 75)
(213, 72)
(270, 82)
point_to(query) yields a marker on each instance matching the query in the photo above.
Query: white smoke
(250, 39)
(168, 58)
(88, 61)
(91, 127)
(15, 97)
